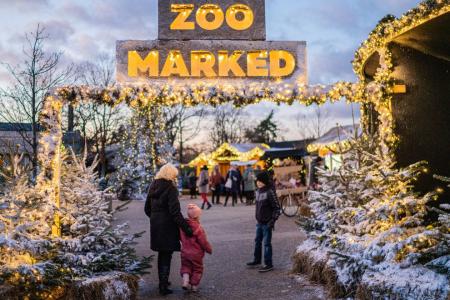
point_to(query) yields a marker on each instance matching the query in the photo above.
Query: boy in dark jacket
(267, 213)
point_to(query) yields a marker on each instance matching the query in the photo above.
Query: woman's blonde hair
(168, 172)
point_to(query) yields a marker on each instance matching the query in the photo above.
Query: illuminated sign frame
(211, 40)
(230, 20)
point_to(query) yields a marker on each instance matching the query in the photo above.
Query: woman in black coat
(163, 209)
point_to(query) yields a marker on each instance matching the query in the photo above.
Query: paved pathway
(231, 233)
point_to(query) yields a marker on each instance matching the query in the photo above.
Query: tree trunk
(34, 123)
(103, 158)
(70, 119)
(181, 144)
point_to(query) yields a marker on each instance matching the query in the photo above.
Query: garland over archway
(378, 92)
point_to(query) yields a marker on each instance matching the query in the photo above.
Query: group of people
(234, 185)
(171, 232)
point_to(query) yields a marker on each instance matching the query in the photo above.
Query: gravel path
(231, 233)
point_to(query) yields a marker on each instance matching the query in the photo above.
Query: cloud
(136, 17)
(25, 5)
(75, 11)
(58, 31)
(9, 56)
(86, 47)
(328, 64)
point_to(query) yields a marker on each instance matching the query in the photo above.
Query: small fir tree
(144, 146)
(92, 244)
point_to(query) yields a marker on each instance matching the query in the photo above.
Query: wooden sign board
(138, 61)
(211, 20)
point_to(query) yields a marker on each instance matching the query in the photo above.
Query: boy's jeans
(263, 233)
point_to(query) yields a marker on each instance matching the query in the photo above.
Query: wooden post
(49, 154)
(56, 183)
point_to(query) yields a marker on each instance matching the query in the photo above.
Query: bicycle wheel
(289, 206)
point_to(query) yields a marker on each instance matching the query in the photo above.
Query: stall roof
(429, 37)
(248, 147)
(335, 136)
(284, 153)
(299, 144)
(231, 152)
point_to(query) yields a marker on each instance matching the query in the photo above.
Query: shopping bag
(229, 183)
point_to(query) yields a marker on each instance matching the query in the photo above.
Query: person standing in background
(203, 187)
(216, 181)
(249, 179)
(192, 185)
(258, 170)
(240, 185)
(232, 185)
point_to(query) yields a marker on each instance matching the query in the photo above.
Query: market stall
(226, 155)
(333, 143)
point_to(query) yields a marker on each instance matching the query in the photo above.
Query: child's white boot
(195, 288)
(186, 285)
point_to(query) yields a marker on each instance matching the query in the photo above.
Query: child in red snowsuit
(193, 250)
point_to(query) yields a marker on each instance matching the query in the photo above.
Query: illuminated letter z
(180, 22)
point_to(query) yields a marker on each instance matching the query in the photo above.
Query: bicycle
(290, 200)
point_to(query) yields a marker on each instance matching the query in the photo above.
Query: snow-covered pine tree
(441, 261)
(26, 246)
(144, 146)
(36, 264)
(366, 213)
(91, 244)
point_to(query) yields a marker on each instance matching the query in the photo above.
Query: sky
(88, 29)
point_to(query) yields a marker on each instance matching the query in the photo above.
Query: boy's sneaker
(265, 269)
(253, 264)
(194, 289)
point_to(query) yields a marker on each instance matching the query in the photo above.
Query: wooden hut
(419, 47)
(228, 154)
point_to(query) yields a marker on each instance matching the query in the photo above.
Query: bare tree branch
(22, 101)
(99, 122)
(182, 125)
(228, 125)
(314, 126)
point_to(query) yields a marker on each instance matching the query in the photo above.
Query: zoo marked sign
(211, 39)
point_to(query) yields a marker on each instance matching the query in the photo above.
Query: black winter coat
(267, 206)
(163, 209)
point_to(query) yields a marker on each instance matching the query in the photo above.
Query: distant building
(73, 140)
(231, 154)
(14, 137)
(250, 154)
(330, 145)
(288, 149)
